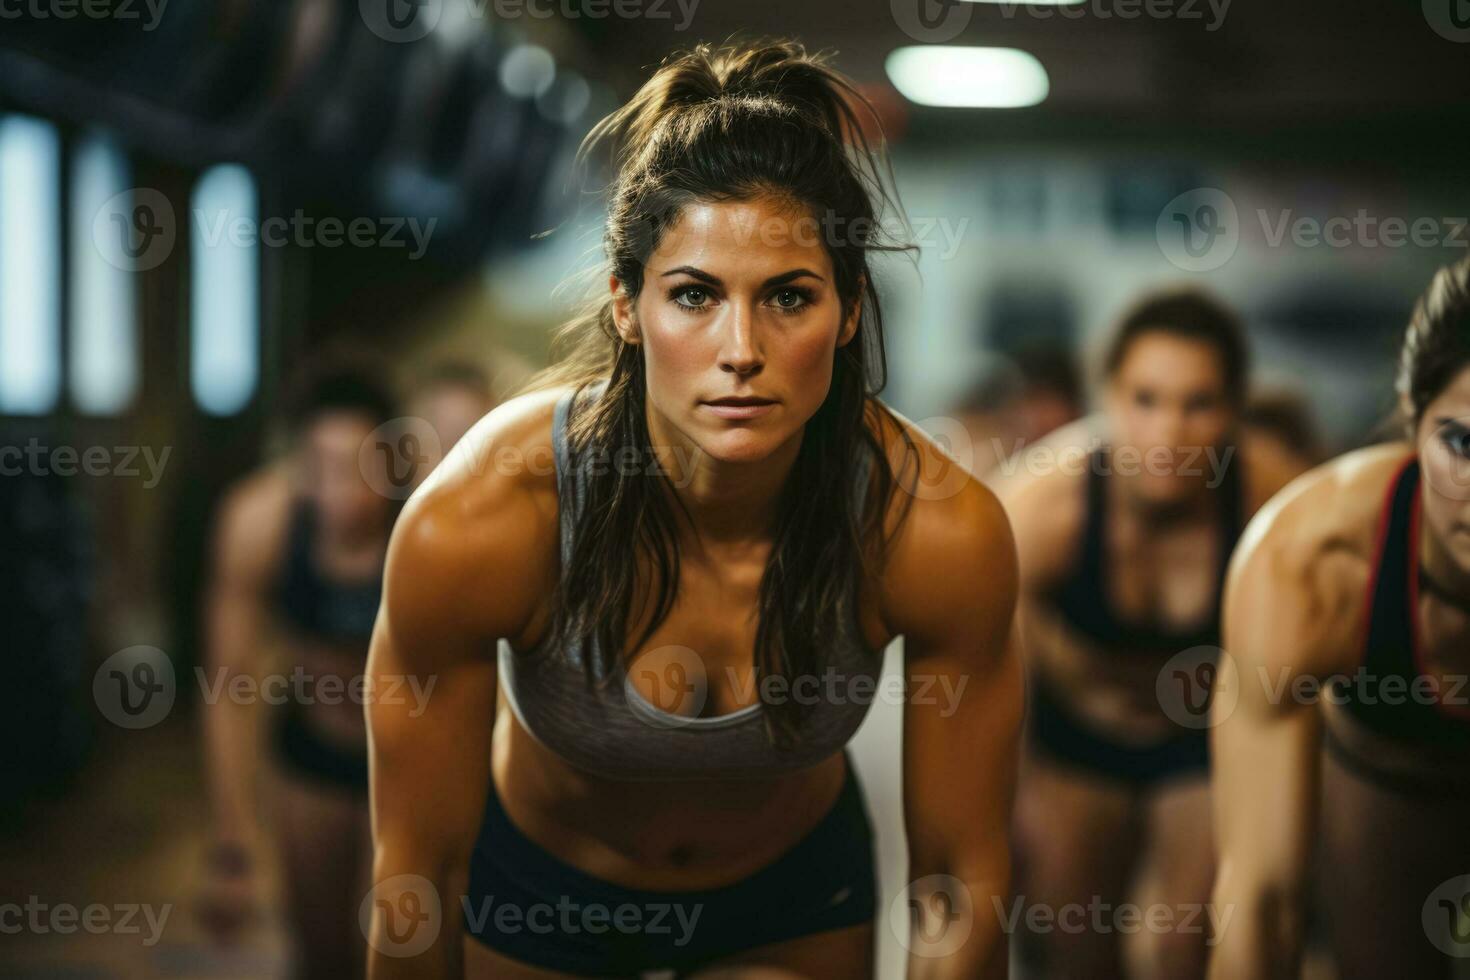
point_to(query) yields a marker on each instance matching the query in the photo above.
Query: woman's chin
(739, 447)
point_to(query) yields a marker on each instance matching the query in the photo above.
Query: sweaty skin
(1296, 611)
(474, 558)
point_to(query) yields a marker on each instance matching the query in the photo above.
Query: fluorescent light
(989, 78)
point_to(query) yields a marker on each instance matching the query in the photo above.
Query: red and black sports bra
(1082, 596)
(1383, 697)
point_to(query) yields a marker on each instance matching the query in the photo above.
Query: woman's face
(738, 302)
(340, 492)
(1169, 414)
(1442, 438)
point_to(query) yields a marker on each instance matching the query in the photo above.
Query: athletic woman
(695, 541)
(1347, 623)
(1124, 524)
(297, 578)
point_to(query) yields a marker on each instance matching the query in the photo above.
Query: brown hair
(1192, 313)
(1437, 343)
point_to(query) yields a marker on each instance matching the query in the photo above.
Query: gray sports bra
(612, 730)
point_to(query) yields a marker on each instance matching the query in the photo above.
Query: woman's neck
(1445, 576)
(719, 502)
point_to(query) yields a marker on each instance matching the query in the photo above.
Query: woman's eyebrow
(702, 276)
(689, 270)
(786, 277)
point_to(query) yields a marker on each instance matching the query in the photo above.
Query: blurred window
(224, 297)
(30, 266)
(105, 253)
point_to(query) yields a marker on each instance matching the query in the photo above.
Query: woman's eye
(1202, 404)
(790, 299)
(1144, 399)
(692, 296)
(1458, 440)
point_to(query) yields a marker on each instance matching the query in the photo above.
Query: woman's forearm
(1263, 940)
(415, 931)
(956, 929)
(232, 743)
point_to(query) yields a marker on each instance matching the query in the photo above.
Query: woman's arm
(244, 558)
(951, 591)
(1282, 621)
(469, 558)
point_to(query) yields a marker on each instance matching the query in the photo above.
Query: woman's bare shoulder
(1334, 507)
(953, 556)
(1040, 493)
(475, 549)
(1303, 563)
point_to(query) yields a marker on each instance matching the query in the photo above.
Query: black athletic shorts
(1056, 734)
(308, 756)
(527, 904)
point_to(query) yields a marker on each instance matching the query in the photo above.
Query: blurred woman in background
(297, 570)
(1124, 525)
(1347, 616)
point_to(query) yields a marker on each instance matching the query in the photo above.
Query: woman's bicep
(430, 721)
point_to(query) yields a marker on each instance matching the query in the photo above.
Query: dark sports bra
(612, 730)
(1081, 597)
(1390, 644)
(318, 607)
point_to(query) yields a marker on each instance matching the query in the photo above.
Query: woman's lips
(734, 410)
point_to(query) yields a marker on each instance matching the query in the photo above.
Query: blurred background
(198, 197)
